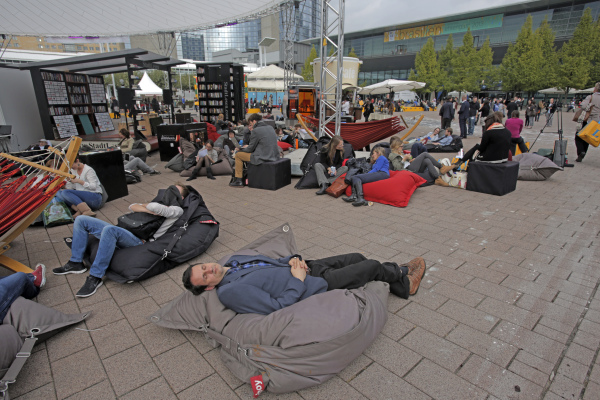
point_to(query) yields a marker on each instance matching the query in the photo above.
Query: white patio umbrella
(583, 91)
(552, 90)
(391, 85)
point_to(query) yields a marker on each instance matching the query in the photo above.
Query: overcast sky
(368, 14)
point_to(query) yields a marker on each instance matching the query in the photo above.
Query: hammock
(361, 134)
(23, 198)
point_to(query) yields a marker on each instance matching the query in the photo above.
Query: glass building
(389, 52)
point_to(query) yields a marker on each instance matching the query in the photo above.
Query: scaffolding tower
(291, 13)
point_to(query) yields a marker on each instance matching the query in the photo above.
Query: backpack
(141, 224)
(132, 177)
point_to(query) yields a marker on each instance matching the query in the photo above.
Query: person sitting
(446, 140)
(112, 237)
(82, 193)
(379, 171)
(262, 148)
(423, 162)
(495, 143)
(18, 285)
(220, 123)
(230, 144)
(262, 285)
(331, 158)
(205, 158)
(430, 137)
(133, 164)
(126, 143)
(515, 126)
(43, 144)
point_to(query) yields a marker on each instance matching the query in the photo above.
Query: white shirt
(91, 183)
(171, 214)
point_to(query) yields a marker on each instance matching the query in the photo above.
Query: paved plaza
(508, 309)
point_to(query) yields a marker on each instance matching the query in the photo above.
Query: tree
(486, 57)
(545, 40)
(353, 54)
(466, 66)
(446, 61)
(575, 56)
(428, 69)
(595, 53)
(519, 67)
(307, 69)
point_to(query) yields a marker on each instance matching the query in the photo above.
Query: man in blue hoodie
(261, 285)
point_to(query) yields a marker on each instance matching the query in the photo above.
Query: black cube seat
(491, 178)
(270, 175)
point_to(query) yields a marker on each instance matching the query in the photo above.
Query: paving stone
(211, 388)
(436, 349)
(565, 387)
(425, 318)
(137, 313)
(164, 291)
(214, 359)
(592, 391)
(157, 339)
(130, 369)
(492, 290)
(497, 380)
(396, 327)
(529, 373)
(474, 318)
(245, 392)
(483, 345)
(334, 388)
(128, 292)
(102, 313)
(509, 312)
(487, 274)
(36, 373)
(45, 392)
(100, 391)
(355, 368)
(77, 372)
(68, 342)
(158, 389)
(440, 383)
(573, 370)
(458, 293)
(114, 338)
(533, 343)
(183, 366)
(580, 353)
(378, 383)
(392, 355)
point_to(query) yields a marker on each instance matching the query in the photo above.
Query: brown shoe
(446, 168)
(416, 271)
(441, 182)
(84, 209)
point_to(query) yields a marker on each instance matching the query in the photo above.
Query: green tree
(486, 57)
(428, 69)
(545, 40)
(595, 53)
(520, 69)
(353, 54)
(467, 69)
(307, 69)
(446, 58)
(575, 56)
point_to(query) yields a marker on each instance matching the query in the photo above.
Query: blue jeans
(370, 177)
(111, 237)
(14, 286)
(472, 125)
(73, 197)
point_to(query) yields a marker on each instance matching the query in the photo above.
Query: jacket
(463, 113)
(396, 163)
(263, 144)
(495, 144)
(337, 161)
(594, 99)
(126, 145)
(381, 165)
(264, 289)
(473, 108)
(447, 111)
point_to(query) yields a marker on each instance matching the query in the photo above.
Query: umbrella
(590, 90)
(552, 90)
(391, 85)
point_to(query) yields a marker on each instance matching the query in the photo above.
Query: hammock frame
(61, 173)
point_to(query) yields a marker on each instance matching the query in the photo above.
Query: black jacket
(337, 161)
(447, 110)
(512, 106)
(495, 144)
(463, 113)
(473, 108)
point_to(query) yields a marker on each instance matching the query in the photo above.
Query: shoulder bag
(337, 188)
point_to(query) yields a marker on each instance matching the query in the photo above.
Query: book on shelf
(52, 76)
(72, 78)
(95, 79)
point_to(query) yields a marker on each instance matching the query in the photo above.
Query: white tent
(583, 91)
(552, 90)
(391, 85)
(269, 78)
(148, 87)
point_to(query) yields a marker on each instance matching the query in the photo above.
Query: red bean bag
(395, 191)
(284, 145)
(211, 130)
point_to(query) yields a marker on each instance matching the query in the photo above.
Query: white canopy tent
(97, 18)
(148, 87)
(391, 85)
(584, 91)
(270, 73)
(553, 90)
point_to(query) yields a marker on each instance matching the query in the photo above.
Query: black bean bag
(456, 145)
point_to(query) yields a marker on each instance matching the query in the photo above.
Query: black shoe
(360, 202)
(211, 177)
(237, 182)
(89, 287)
(350, 199)
(154, 172)
(191, 178)
(324, 187)
(70, 267)
(580, 156)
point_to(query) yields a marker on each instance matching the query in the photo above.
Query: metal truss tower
(332, 25)
(290, 12)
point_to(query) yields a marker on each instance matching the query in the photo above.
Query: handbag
(458, 180)
(56, 213)
(337, 188)
(578, 114)
(141, 224)
(591, 133)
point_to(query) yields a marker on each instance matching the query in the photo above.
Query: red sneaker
(40, 275)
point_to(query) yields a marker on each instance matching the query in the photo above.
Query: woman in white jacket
(82, 193)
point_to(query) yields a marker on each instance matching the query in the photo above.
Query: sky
(369, 14)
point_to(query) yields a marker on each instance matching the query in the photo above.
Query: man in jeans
(473, 110)
(113, 237)
(18, 285)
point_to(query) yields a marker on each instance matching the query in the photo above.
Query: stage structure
(332, 25)
(290, 15)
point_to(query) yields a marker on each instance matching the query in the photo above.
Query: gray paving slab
(509, 307)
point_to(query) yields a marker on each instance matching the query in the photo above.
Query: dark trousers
(462, 122)
(468, 156)
(417, 149)
(580, 144)
(518, 141)
(351, 271)
(446, 123)
(370, 177)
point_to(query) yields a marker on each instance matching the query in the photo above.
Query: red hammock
(362, 134)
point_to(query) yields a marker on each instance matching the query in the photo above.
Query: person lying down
(262, 285)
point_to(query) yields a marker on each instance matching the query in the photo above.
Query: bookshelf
(220, 91)
(76, 103)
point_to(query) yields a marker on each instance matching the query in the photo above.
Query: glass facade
(308, 18)
(563, 21)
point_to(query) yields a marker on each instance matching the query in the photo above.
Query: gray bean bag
(293, 348)
(222, 167)
(533, 167)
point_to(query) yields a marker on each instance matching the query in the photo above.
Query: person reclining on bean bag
(18, 285)
(423, 162)
(132, 164)
(82, 193)
(112, 237)
(329, 167)
(205, 158)
(430, 137)
(262, 285)
(495, 143)
(379, 171)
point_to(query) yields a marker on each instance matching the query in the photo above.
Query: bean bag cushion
(211, 132)
(395, 191)
(455, 145)
(11, 344)
(284, 145)
(533, 167)
(293, 348)
(223, 167)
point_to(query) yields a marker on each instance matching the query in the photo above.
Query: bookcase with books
(220, 91)
(75, 103)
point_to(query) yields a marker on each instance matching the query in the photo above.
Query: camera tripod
(560, 145)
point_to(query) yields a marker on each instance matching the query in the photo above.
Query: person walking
(463, 116)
